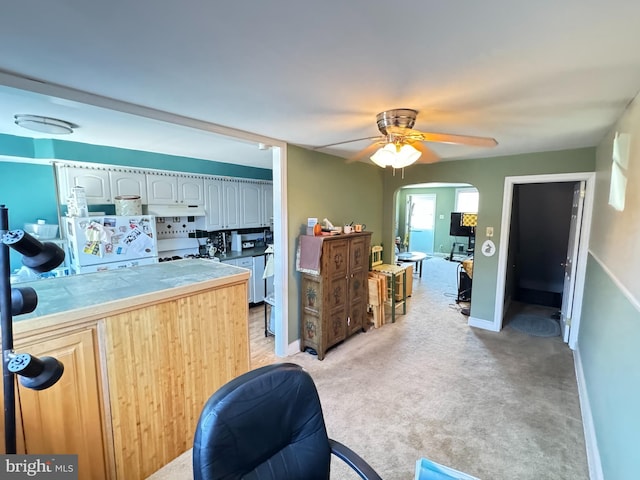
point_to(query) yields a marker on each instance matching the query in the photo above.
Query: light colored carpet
(499, 406)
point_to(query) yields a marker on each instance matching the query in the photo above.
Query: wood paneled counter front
(143, 349)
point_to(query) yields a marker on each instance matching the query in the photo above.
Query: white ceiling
(536, 76)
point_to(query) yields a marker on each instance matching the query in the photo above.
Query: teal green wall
(445, 204)
(610, 323)
(320, 185)
(487, 175)
(608, 343)
(28, 191)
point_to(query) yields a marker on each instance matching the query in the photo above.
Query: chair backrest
(376, 255)
(265, 424)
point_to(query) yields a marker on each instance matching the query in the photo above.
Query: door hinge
(583, 191)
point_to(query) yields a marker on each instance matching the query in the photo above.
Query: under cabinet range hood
(176, 210)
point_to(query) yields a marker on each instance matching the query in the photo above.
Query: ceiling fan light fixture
(406, 156)
(41, 124)
(384, 156)
(396, 156)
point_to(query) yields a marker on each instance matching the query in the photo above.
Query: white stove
(170, 249)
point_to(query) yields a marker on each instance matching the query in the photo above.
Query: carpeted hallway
(499, 406)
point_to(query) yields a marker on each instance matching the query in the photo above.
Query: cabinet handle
(348, 320)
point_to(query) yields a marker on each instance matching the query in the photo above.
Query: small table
(415, 257)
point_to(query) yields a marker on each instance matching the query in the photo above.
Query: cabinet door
(247, 262)
(358, 298)
(259, 284)
(125, 182)
(336, 292)
(190, 190)
(250, 204)
(66, 418)
(231, 198)
(214, 204)
(358, 286)
(95, 182)
(267, 204)
(162, 189)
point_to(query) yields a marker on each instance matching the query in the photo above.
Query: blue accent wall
(29, 192)
(31, 148)
(608, 343)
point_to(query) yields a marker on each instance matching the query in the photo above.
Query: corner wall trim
(591, 441)
(293, 348)
(483, 324)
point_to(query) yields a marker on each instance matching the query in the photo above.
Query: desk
(415, 257)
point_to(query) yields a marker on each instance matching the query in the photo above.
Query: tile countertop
(77, 297)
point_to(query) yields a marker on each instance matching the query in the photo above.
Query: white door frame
(569, 275)
(281, 254)
(585, 229)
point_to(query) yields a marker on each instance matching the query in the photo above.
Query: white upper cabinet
(250, 204)
(95, 182)
(231, 203)
(191, 190)
(127, 182)
(214, 204)
(171, 189)
(162, 189)
(267, 204)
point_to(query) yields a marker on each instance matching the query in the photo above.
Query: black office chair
(268, 425)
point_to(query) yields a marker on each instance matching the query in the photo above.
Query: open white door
(570, 264)
(421, 222)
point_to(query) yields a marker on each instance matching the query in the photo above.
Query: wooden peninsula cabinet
(67, 417)
(334, 303)
(143, 349)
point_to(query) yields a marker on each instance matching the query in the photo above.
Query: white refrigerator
(109, 242)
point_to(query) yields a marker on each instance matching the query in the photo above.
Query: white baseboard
(593, 453)
(483, 324)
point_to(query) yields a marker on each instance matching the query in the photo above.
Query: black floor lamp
(35, 373)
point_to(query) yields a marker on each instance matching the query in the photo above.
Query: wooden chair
(396, 280)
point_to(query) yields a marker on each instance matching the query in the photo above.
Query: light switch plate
(489, 231)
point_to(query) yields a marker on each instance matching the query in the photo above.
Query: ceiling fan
(399, 145)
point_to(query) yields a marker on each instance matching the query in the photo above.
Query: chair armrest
(351, 458)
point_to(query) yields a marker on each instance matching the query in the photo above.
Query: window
(619, 167)
(467, 200)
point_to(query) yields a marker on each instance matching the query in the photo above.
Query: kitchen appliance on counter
(236, 242)
(109, 242)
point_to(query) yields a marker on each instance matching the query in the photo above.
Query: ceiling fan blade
(428, 155)
(455, 139)
(365, 153)
(347, 141)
